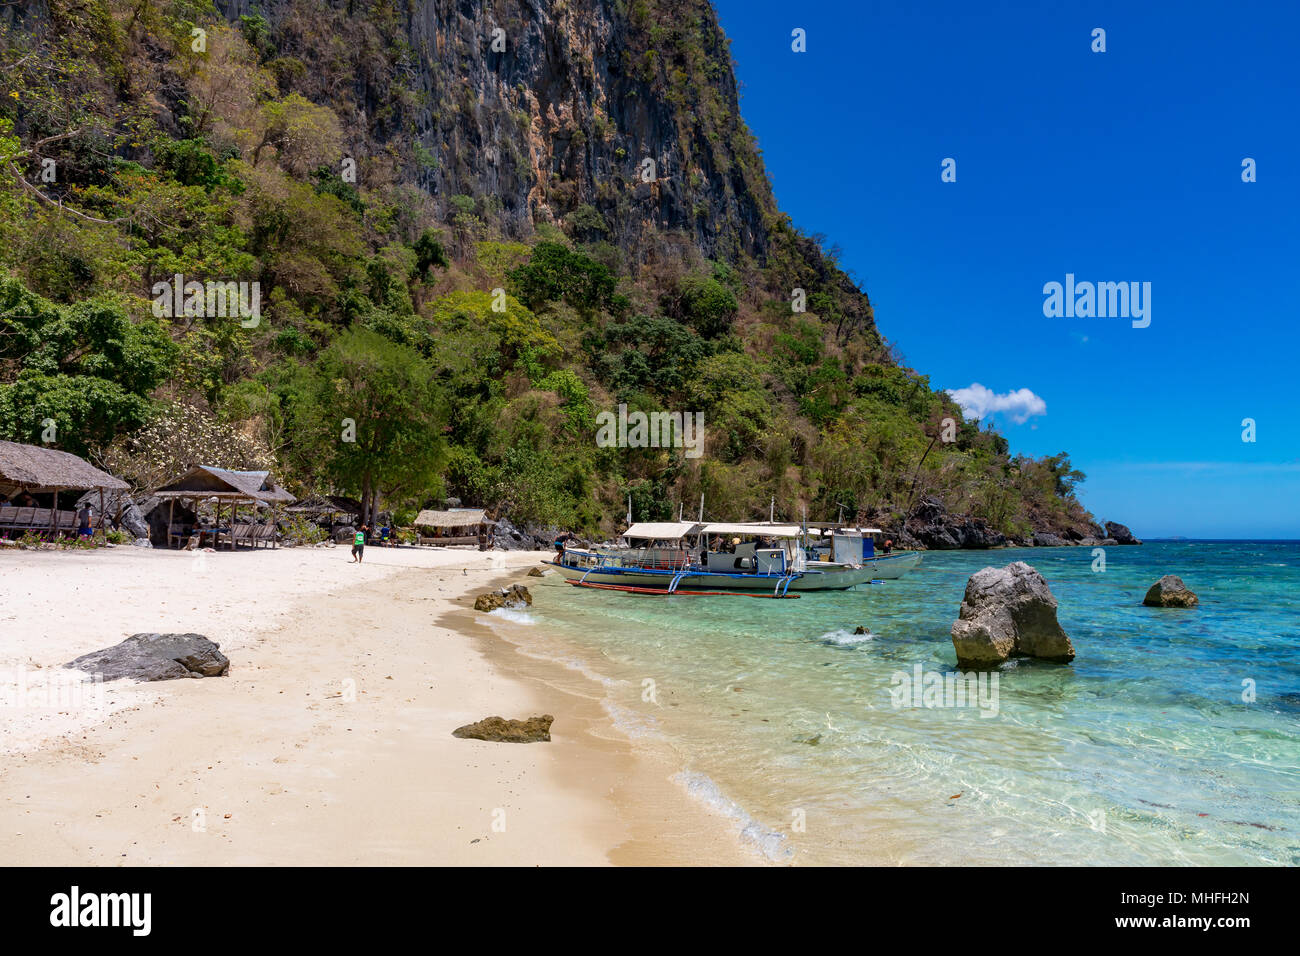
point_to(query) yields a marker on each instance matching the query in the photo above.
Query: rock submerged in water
(1121, 534)
(498, 729)
(1170, 591)
(515, 596)
(536, 573)
(1008, 612)
(150, 657)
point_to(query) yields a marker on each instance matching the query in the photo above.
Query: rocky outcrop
(150, 657)
(549, 109)
(515, 596)
(1045, 539)
(536, 573)
(498, 729)
(1170, 591)
(932, 525)
(1121, 534)
(1008, 612)
(132, 521)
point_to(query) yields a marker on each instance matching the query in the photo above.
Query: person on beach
(359, 544)
(83, 522)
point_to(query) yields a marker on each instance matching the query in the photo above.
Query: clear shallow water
(1141, 751)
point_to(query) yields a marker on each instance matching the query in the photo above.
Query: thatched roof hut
(225, 487)
(205, 481)
(35, 469)
(455, 526)
(454, 519)
(321, 505)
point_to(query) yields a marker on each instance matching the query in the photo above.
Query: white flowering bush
(178, 438)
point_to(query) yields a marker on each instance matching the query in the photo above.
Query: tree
(86, 367)
(556, 272)
(372, 417)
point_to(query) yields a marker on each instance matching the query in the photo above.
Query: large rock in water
(1170, 591)
(1121, 534)
(149, 657)
(514, 596)
(1008, 612)
(532, 730)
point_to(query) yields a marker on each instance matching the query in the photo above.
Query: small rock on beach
(532, 730)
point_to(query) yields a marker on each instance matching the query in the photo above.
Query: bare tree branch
(59, 205)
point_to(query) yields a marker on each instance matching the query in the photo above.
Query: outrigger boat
(660, 559)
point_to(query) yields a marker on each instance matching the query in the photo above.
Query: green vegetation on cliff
(461, 276)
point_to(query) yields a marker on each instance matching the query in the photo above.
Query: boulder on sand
(514, 596)
(149, 657)
(1008, 612)
(1170, 591)
(532, 730)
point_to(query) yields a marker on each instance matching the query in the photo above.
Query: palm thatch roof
(460, 518)
(33, 468)
(205, 481)
(327, 504)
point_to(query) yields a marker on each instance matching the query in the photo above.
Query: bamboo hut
(35, 470)
(229, 490)
(456, 526)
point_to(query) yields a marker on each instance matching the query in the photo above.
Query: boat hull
(890, 567)
(814, 579)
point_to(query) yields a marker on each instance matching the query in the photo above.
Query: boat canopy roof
(768, 530)
(661, 530)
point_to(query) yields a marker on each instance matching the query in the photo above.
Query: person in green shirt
(359, 544)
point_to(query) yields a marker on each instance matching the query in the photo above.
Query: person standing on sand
(359, 544)
(83, 522)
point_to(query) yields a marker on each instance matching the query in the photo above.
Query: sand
(329, 743)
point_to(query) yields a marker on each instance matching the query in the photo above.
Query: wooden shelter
(38, 470)
(456, 526)
(327, 506)
(231, 489)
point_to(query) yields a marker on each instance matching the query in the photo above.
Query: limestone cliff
(547, 109)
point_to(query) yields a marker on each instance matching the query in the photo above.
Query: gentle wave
(514, 615)
(844, 638)
(772, 844)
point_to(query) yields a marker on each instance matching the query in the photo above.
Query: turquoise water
(1142, 751)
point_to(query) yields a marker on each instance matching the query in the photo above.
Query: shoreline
(666, 825)
(271, 765)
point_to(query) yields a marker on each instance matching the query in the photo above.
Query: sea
(1172, 738)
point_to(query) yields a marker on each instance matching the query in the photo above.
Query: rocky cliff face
(544, 112)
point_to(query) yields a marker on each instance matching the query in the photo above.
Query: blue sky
(1117, 166)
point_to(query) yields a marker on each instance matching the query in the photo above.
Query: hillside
(473, 227)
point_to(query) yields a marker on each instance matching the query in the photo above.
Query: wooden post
(171, 517)
(101, 513)
(54, 517)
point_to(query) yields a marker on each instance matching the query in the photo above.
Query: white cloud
(978, 402)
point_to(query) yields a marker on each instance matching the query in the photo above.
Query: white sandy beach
(329, 743)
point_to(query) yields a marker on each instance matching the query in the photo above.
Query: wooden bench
(460, 539)
(254, 535)
(37, 520)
